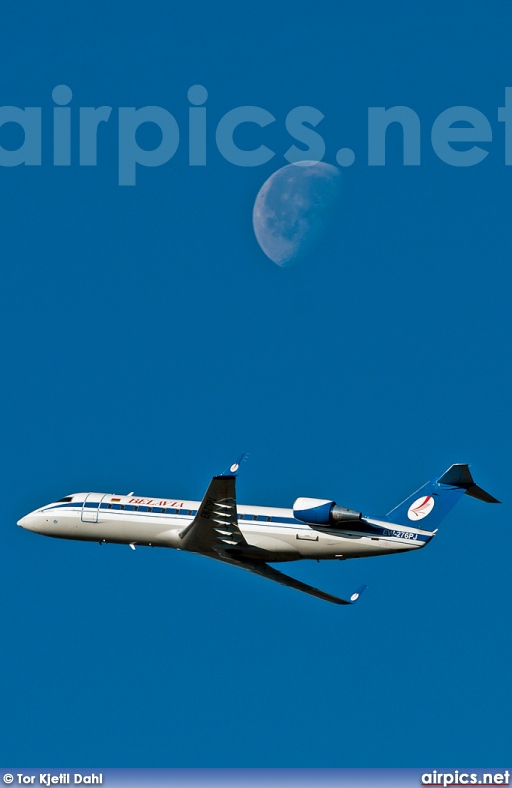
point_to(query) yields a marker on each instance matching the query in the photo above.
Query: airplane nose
(26, 522)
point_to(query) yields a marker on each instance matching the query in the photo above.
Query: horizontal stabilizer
(459, 475)
(476, 492)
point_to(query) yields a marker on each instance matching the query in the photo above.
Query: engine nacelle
(317, 511)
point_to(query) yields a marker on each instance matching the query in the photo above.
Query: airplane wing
(214, 530)
(264, 570)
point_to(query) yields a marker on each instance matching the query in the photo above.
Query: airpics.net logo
(462, 126)
(456, 778)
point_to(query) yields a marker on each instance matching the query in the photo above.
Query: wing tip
(233, 469)
(357, 593)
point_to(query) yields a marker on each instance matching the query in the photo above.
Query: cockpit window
(68, 499)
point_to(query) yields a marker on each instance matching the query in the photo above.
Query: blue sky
(147, 341)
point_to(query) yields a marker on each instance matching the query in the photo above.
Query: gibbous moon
(293, 208)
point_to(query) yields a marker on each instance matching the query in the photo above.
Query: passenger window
(269, 519)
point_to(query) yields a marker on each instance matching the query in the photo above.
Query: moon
(293, 208)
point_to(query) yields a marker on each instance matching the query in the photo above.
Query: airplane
(251, 537)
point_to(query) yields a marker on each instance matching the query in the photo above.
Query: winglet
(355, 596)
(235, 467)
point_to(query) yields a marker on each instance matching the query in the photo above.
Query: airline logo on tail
(420, 508)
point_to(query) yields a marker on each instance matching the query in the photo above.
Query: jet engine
(317, 511)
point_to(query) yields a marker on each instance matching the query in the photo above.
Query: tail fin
(435, 499)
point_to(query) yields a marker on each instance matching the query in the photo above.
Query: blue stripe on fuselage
(358, 528)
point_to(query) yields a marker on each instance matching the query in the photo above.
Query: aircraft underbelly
(282, 547)
(362, 547)
(289, 544)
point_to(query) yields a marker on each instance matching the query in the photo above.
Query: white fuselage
(157, 522)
